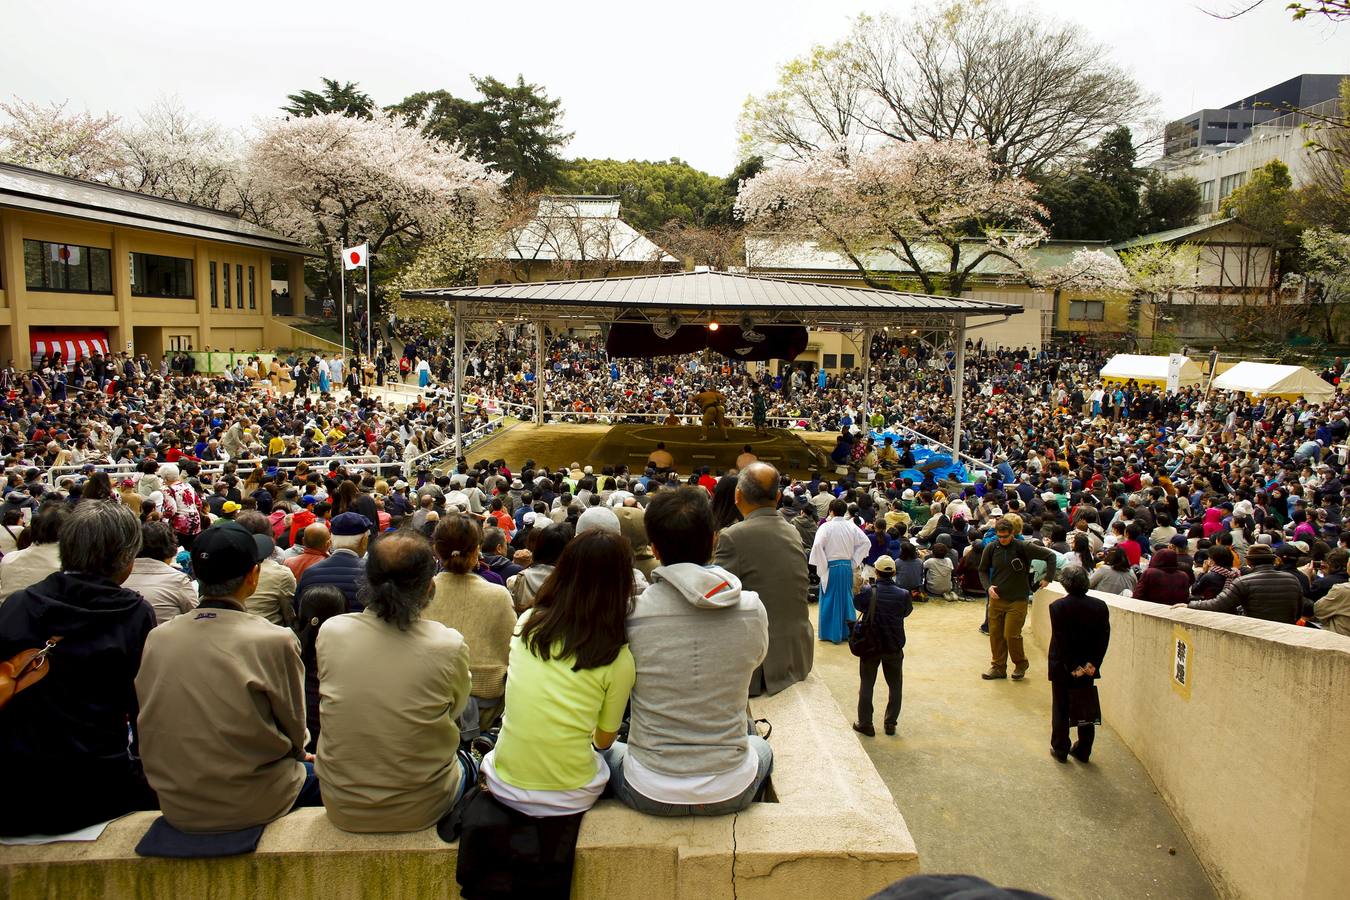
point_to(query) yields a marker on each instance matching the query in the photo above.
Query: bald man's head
(317, 537)
(757, 487)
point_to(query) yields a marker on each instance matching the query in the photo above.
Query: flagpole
(342, 273)
(370, 307)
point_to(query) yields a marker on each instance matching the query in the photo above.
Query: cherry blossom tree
(912, 207)
(46, 137)
(338, 181)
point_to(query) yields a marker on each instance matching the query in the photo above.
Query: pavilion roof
(704, 295)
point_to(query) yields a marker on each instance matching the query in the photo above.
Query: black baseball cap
(227, 551)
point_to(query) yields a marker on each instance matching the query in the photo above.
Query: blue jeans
(629, 797)
(309, 791)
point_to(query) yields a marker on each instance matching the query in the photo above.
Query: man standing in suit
(1080, 629)
(765, 552)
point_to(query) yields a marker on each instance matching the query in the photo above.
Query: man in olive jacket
(765, 552)
(1005, 572)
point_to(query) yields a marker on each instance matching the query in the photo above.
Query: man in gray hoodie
(696, 639)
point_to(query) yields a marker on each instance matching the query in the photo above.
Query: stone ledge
(834, 830)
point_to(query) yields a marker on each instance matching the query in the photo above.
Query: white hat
(529, 518)
(597, 518)
(907, 495)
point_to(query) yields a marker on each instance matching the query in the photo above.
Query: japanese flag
(354, 257)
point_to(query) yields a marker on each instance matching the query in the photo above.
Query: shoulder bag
(863, 639)
(24, 669)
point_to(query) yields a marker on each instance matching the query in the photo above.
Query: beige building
(83, 265)
(1044, 315)
(1235, 289)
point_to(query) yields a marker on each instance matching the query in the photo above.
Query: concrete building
(1046, 314)
(1234, 123)
(575, 237)
(84, 265)
(1221, 167)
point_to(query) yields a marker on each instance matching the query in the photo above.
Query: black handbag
(863, 639)
(1085, 708)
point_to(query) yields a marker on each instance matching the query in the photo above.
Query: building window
(846, 361)
(1230, 183)
(215, 288)
(830, 361)
(1207, 192)
(252, 297)
(67, 267)
(225, 282)
(239, 284)
(1087, 310)
(161, 276)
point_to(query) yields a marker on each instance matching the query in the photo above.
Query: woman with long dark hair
(568, 680)
(724, 503)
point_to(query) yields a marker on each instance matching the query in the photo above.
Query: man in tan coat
(222, 700)
(765, 552)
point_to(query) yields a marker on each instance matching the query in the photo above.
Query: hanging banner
(1175, 362)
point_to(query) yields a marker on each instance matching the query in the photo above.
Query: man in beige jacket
(222, 700)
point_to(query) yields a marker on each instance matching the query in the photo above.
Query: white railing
(919, 436)
(242, 467)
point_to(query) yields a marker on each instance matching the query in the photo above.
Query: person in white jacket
(24, 568)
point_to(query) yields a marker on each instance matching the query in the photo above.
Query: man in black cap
(222, 702)
(344, 567)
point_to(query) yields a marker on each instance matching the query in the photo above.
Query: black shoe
(1076, 754)
(865, 729)
(890, 729)
(1059, 757)
(984, 629)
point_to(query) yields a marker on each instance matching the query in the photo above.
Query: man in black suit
(1080, 629)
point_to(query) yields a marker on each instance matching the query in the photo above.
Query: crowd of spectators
(231, 636)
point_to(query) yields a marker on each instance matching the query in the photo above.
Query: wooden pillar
(11, 246)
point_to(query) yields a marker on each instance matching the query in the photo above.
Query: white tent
(1147, 369)
(1268, 380)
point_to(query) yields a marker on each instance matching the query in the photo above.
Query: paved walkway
(972, 773)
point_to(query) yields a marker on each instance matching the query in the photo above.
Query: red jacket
(1162, 581)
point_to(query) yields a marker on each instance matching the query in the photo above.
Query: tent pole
(867, 379)
(539, 372)
(458, 379)
(958, 385)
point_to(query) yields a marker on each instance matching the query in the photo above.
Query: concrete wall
(1250, 753)
(833, 832)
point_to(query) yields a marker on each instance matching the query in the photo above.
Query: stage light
(914, 331)
(499, 321)
(713, 326)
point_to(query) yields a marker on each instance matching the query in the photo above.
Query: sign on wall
(1183, 661)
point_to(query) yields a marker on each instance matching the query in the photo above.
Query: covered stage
(741, 316)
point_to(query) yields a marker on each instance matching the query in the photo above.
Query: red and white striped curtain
(71, 345)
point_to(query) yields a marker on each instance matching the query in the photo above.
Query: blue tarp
(922, 455)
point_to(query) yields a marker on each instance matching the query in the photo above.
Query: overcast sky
(637, 79)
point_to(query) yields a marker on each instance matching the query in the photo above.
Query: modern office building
(85, 268)
(1233, 124)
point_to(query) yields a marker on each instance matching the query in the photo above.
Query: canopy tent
(1147, 370)
(667, 304)
(1269, 380)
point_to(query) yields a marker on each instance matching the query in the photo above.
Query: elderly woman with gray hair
(67, 733)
